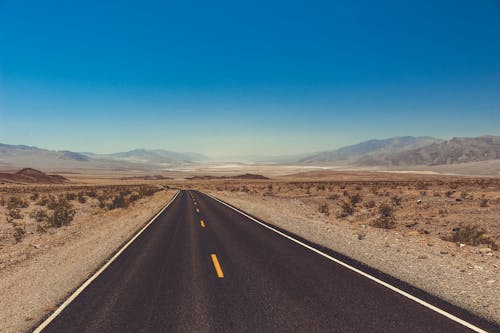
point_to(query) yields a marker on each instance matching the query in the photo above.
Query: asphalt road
(231, 274)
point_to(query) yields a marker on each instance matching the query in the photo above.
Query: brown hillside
(31, 176)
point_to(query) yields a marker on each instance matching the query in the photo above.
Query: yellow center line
(202, 223)
(218, 269)
(197, 210)
(195, 203)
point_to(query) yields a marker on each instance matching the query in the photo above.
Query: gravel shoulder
(466, 276)
(45, 268)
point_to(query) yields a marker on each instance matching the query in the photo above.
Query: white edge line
(371, 277)
(99, 272)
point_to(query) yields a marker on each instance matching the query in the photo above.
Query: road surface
(204, 267)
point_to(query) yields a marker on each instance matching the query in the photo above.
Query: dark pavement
(167, 281)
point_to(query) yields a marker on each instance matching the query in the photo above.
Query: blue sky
(245, 77)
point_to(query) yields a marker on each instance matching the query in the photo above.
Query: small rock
(430, 244)
(490, 281)
(484, 250)
(412, 233)
(423, 257)
(419, 201)
(443, 252)
(461, 245)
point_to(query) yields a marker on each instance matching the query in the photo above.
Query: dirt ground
(41, 263)
(439, 233)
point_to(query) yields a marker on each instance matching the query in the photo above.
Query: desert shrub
(323, 209)
(102, 201)
(333, 197)
(396, 200)
(43, 201)
(134, 197)
(472, 235)
(19, 233)
(483, 203)
(346, 209)
(53, 202)
(14, 214)
(146, 191)
(464, 195)
(345, 193)
(370, 204)
(92, 194)
(70, 196)
(39, 215)
(15, 202)
(449, 193)
(63, 214)
(2, 201)
(81, 198)
(34, 196)
(118, 201)
(355, 199)
(386, 218)
(437, 194)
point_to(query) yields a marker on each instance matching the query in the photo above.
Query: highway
(202, 266)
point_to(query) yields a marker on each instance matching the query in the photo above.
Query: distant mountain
(454, 151)
(137, 159)
(157, 156)
(351, 154)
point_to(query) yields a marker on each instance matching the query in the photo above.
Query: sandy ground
(44, 268)
(467, 276)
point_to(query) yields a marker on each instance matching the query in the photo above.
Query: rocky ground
(439, 236)
(41, 263)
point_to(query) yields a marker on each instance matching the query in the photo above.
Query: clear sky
(245, 77)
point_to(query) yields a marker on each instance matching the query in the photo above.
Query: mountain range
(396, 151)
(407, 150)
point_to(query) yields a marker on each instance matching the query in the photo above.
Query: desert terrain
(53, 237)
(437, 232)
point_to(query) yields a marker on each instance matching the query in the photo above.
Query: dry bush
(386, 219)
(483, 203)
(472, 235)
(62, 215)
(323, 209)
(355, 199)
(369, 204)
(19, 233)
(396, 200)
(119, 201)
(40, 215)
(346, 209)
(81, 198)
(70, 196)
(333, 197)
(16, 202)
(14, 214)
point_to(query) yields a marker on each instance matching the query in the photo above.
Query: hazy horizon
(235, 79)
